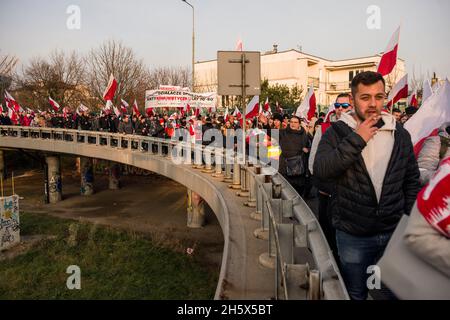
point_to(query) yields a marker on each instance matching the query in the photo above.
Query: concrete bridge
(273, 244)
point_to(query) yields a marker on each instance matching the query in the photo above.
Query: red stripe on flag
(419, 145)
(388, 62)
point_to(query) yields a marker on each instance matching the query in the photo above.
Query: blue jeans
(356, 254)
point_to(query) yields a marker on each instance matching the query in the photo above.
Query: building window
(350, 76)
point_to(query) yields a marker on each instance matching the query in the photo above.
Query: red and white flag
(267, 106)
(12, 103)
(237, 114)
(81, 108)
(135, 108)
(124, 106)
(110, 90)
(197, 112)
(226, 115)
(434, 112)
(54, 104)
(13, 116)
(426, 90)
(252, 109)
(399, 91)
(307, 108)
(239, 45)
(412, 100)
(149, 112)
(389, 58)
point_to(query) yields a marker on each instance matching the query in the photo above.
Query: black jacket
(354, 205)
(292, 144)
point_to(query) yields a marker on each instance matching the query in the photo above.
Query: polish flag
(237, 114)
(81, 108)
(110, 90)
(13, 116)
(226, 116)
(54, 104)
(12, 103)
(108, 107)
(412, 100)
(434, 112)
(267, 105)
(433, 201)
(389, 58)
(307, 108)
(135, 108)
(124, 106)
(399, 91)
(239, 45)
(116, 111)
(252, 109)
(197, 112)
(426, 90)
(149, 112)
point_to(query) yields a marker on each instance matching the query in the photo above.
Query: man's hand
(367, 128)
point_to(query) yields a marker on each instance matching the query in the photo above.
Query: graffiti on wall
(9, 222)
(102, 167)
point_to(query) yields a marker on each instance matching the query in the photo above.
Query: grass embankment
(114, 265)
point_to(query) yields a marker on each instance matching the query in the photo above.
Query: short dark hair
(343, 95)
(367, 78)
(396, 110)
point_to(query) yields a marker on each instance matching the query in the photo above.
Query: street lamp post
(193, 44)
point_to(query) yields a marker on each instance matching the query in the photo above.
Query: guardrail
(293, 230)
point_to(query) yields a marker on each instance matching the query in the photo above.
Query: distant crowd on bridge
(358, 160)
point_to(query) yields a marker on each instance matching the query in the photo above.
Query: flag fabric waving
(426, 91)
(389, 58)
(399, 91)
(12, 103)
(135, 108)
(412, 100)
(56, 107)
(252, 109)
(434, 112)
(110, 90)
(307, 108)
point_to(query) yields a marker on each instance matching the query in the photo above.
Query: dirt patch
(150, 205)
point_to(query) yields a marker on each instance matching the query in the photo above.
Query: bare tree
(113, 57)
(7, 65)
(61, 76)
(173, 76)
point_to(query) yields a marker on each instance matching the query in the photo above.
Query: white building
(293, 67)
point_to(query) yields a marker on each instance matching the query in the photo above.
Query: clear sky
(160, 31)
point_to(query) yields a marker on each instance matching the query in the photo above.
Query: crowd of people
(359, 162)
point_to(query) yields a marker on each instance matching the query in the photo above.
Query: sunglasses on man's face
(343, 105)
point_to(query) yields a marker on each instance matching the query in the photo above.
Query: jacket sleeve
(427, 243)
(428, 158)
(333, 159)
(411, 184)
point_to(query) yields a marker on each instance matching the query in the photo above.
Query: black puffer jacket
(354, 204)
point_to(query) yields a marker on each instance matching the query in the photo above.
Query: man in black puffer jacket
(375, 176)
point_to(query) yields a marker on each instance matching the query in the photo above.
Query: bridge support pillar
(114, 176)
(2, 164)
(54, 179)
(87, 176)
(195, 210)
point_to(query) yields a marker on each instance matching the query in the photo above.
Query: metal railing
(297, 248)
